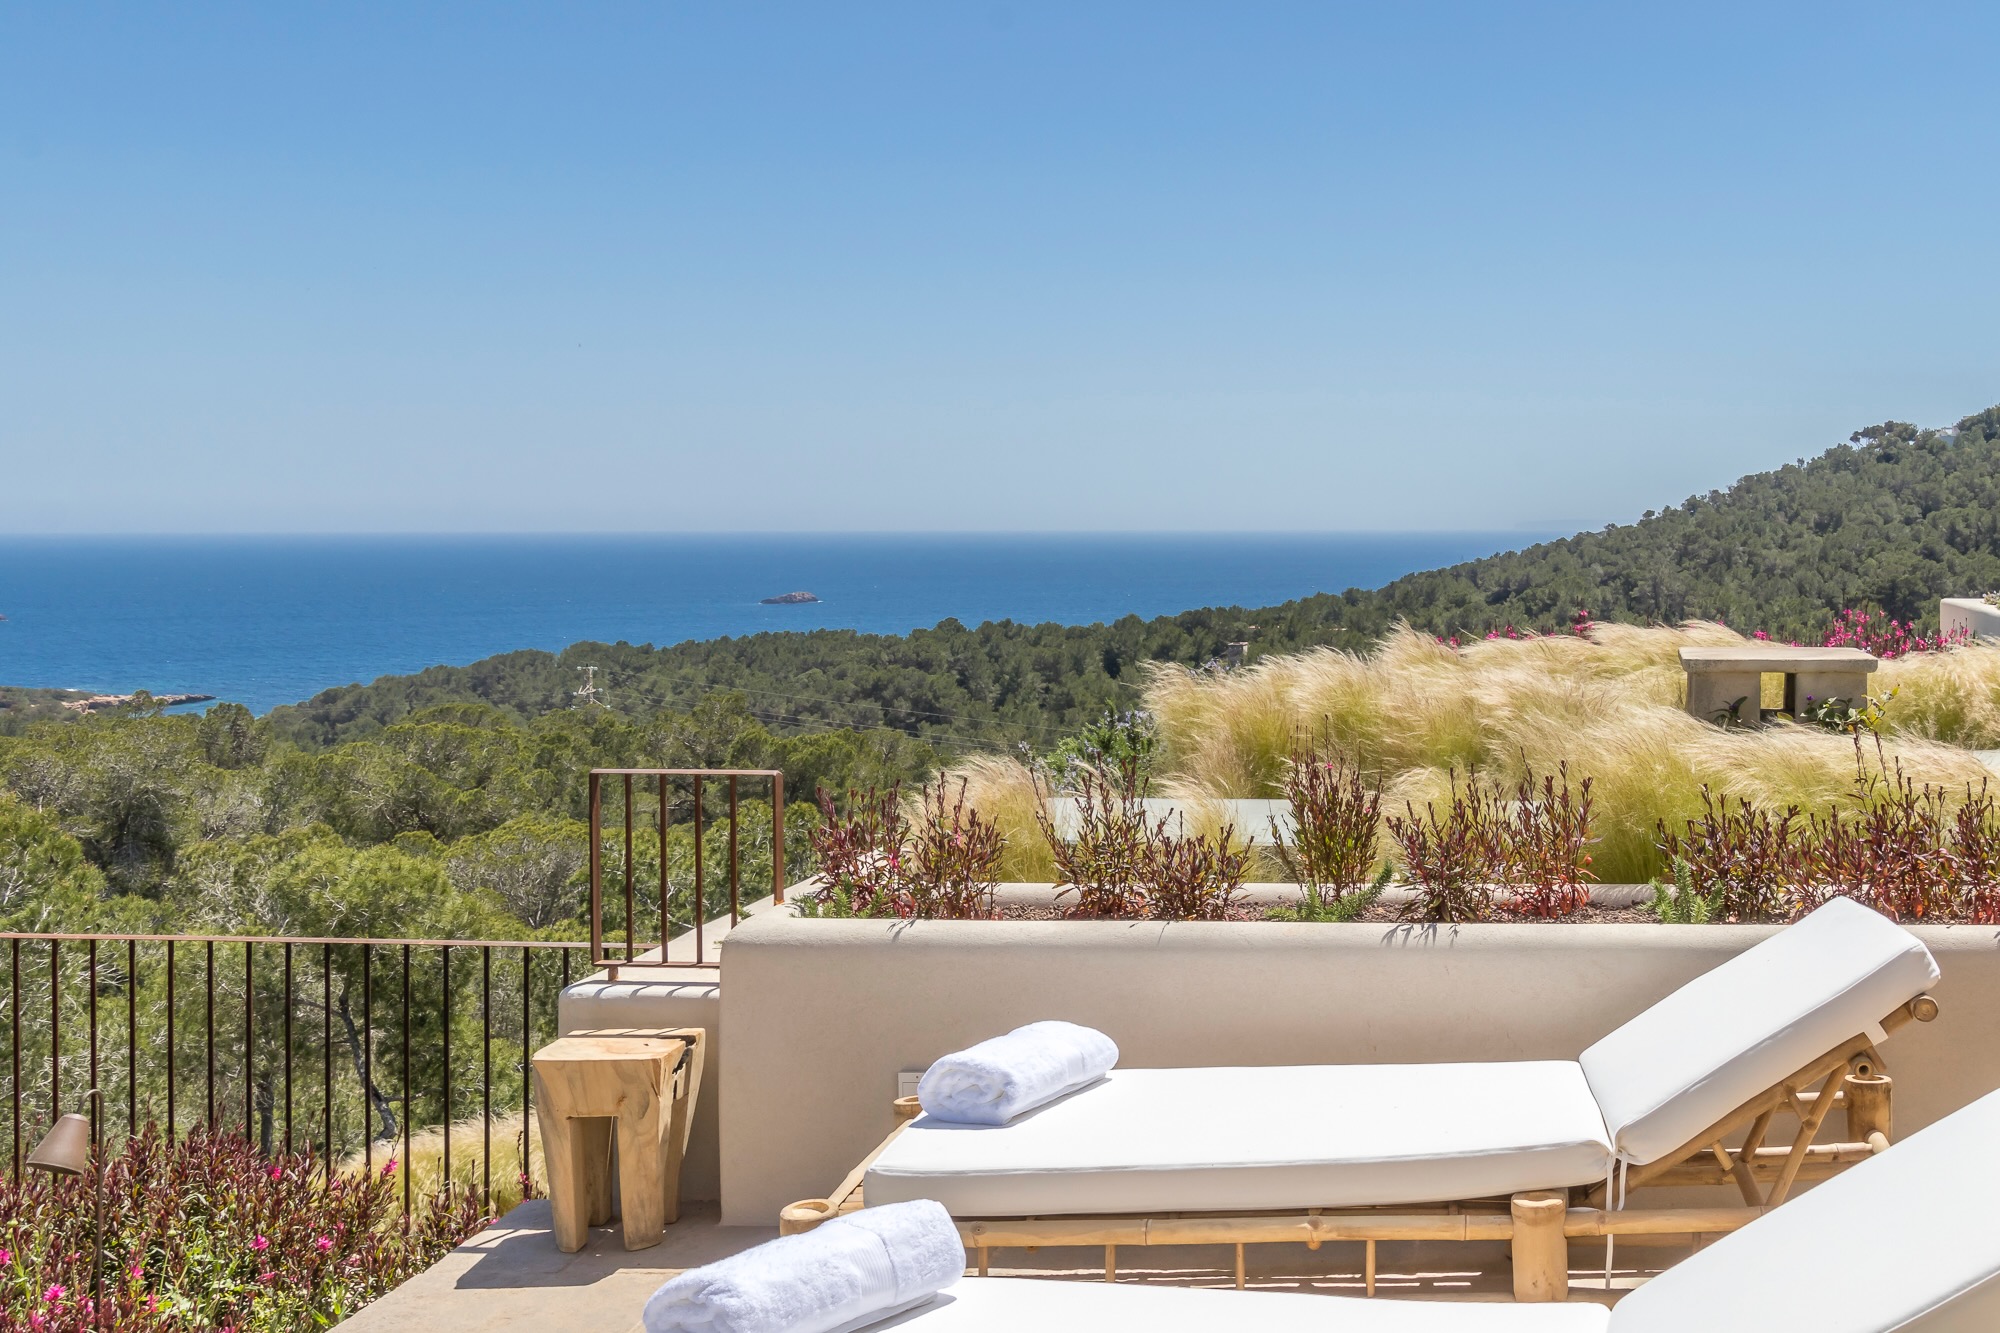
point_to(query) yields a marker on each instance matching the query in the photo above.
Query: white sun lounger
(1900, 1244)
(1684, 1094)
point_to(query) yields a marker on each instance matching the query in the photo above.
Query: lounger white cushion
(1903, 1241)
(1728, 1035)
(1900, 1243)
(1041, 1305)
(1295, 1136)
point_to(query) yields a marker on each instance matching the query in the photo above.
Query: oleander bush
(208, 1234)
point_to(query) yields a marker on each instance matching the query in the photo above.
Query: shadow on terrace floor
(511, 1276)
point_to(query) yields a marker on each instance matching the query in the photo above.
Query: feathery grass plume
(425, 1162)
(1609, 702)
(1951, 696)
(1004, 791)
(1228, 732)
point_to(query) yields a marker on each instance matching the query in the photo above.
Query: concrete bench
(1727, 683)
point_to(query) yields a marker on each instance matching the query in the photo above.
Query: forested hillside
(1889, 521)
(456, 822)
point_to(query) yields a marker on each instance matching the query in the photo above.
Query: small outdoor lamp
(66, 1151)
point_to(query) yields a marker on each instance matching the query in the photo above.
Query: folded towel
(991, 1083)
(844, 1274)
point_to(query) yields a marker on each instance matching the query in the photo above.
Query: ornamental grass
(1607, 703)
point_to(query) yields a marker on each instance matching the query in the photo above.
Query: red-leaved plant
(1452, 859)
(1544, 840)
(207, 1233)
(1118, 862)
(1330, 849)
(875, 861)
(1745, 858)
(1102, 860)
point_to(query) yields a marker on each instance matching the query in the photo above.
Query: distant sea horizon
(265, 621)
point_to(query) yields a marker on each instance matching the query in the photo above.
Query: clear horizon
(1115, 268)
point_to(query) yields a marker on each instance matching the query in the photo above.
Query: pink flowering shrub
(1884, 636)
(208, 1234)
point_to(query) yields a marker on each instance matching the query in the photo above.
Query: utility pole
(589, 691)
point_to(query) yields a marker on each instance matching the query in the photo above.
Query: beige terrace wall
(821, 1015)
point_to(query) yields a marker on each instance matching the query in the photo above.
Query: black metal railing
(349, 1047)
(697, 851)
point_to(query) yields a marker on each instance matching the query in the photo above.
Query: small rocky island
(789, 599)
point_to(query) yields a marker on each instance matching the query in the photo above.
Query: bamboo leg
(1239, 1267)
(1541, 1252)
(1867, 1106)
(1368, 1268)
(1808, 1131)
(1746, 1178)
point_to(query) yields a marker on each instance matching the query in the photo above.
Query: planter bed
(1380, 914)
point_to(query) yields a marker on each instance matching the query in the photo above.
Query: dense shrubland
(457, 822)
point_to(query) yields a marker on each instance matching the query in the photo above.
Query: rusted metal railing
(645, 815)
(344, 1046)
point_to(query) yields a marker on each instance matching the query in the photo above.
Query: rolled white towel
(991, 1083)
(846, 1273)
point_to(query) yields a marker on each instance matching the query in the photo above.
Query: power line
(825, 726)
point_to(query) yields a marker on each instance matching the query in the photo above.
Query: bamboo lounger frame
(1538, 1223)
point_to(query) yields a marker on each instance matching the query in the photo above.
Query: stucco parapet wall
(822, 1015)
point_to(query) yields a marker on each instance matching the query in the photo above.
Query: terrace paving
(511, 1276)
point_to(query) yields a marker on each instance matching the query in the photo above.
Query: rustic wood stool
(644, 1084)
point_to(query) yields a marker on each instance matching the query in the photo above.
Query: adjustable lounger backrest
(1904, 1240)
(1726, 1036)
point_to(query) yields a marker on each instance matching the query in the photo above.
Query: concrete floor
(511, 1276)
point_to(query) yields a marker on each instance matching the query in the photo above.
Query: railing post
(700, 893)
(596, 872)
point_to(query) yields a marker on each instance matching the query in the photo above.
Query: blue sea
(273, 620)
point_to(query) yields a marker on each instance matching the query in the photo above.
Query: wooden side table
(642, 1086)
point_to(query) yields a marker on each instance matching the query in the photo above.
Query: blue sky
(973, 266)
